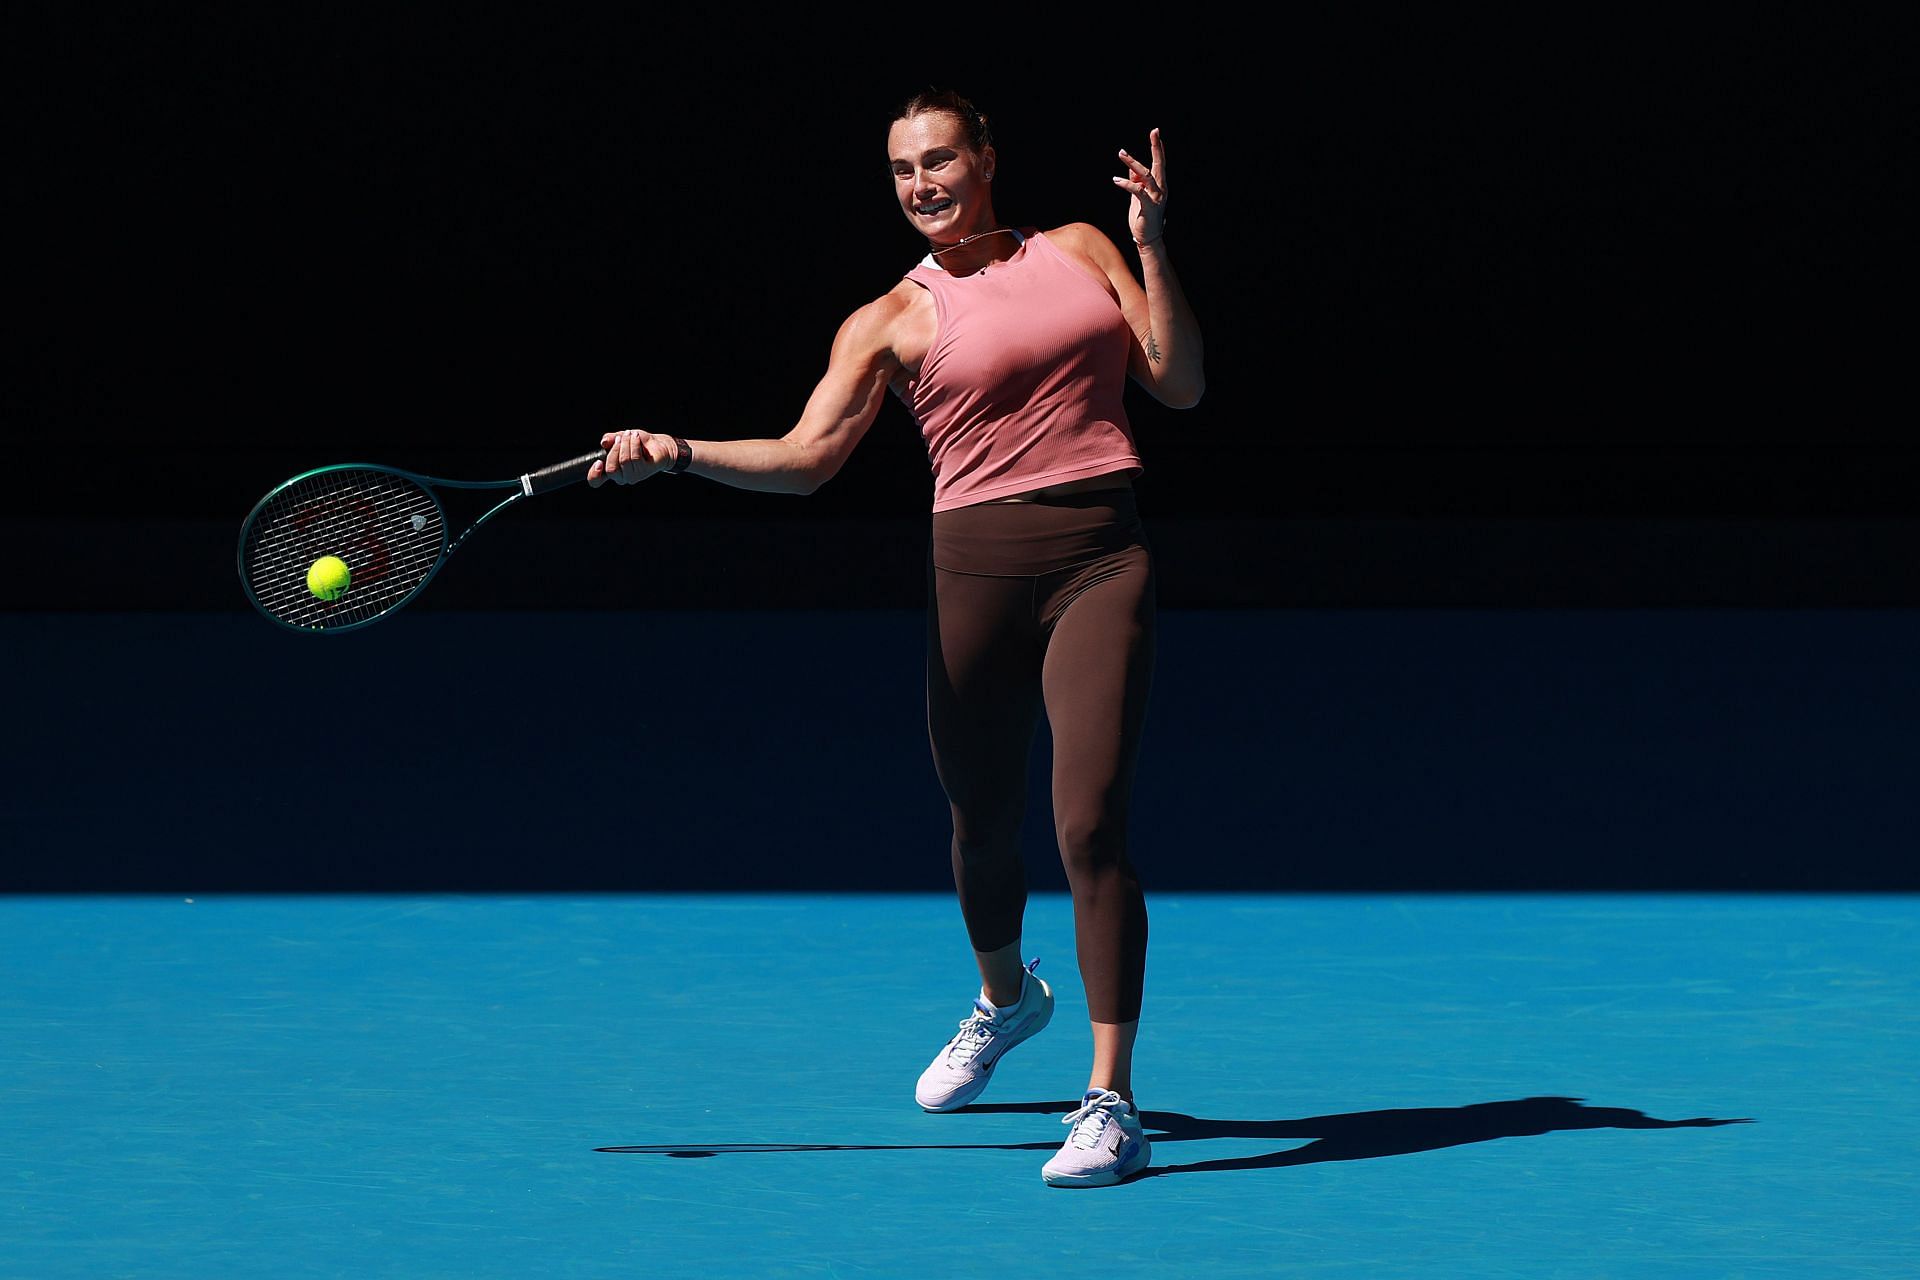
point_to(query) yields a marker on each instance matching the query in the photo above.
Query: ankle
(1003, 1000)
(1003, 979)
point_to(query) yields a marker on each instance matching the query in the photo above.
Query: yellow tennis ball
(328, 578)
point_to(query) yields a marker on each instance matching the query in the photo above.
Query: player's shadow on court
(1368, 1135)
(1358, 1135)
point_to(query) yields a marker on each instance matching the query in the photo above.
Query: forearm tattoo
(1153, 349)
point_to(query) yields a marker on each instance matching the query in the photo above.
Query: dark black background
(1450, 266)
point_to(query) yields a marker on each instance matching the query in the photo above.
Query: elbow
(809, 469)
(812, 477)
(1199, 390)
(1187, 394)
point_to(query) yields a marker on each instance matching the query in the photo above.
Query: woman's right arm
(843, 405)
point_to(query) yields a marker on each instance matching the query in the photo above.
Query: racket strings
(388, 528)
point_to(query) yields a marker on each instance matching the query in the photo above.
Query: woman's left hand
(1147, 215)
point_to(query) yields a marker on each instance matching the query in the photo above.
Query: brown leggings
(1048, 603)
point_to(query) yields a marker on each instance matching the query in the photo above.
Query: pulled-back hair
(946, 100)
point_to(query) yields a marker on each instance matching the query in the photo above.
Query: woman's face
(939, 180)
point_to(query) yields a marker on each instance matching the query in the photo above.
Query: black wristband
(682, 457)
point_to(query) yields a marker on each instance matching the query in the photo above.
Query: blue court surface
(1355, 1085)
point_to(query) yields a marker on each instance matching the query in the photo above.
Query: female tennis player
(1012, 347)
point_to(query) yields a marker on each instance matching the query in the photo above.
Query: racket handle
(560, 474)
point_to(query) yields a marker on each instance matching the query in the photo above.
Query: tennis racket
(386, 525)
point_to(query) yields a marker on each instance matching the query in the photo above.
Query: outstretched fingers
(1147, 184)
(1147, 180)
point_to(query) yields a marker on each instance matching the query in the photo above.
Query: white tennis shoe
(1107, 1144)
(965, 1065)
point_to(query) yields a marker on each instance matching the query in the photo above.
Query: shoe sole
(986, 1077)
(1105, 1178)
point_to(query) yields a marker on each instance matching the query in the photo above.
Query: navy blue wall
(786, 749)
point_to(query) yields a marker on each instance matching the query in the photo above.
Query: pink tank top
(1022, 386)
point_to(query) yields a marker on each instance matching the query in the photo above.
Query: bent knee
(1092, 841)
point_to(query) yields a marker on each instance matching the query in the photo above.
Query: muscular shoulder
(1089, 243)
(1089, 246)
(892, 331)
(877, 326)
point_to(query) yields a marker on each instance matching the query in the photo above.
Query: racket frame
(525, 486)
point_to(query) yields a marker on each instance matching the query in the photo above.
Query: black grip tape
(561, 474)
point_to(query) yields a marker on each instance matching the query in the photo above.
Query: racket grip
(560, 474)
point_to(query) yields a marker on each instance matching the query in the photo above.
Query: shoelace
(977, 1028)
(1092, 1118)
(976, 1031)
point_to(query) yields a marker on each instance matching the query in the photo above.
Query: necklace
(969, 240)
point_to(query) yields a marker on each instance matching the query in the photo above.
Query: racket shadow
(696, 1150)
(1358, 1135)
